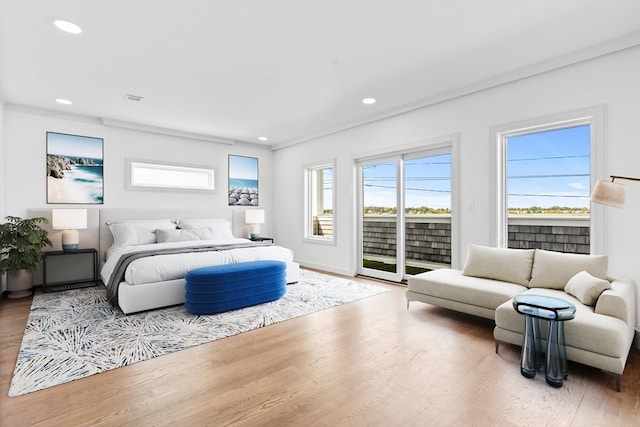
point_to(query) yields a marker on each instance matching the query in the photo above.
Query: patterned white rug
(74, 334)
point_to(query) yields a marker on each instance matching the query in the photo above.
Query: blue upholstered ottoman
(227, 287)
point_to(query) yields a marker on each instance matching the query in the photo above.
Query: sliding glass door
(405, 214)
(379, 225)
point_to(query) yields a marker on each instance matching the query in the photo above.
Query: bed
(145, 254)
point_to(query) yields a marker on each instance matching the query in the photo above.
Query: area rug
(77, 333)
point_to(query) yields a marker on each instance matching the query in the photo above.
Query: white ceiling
(288, 70)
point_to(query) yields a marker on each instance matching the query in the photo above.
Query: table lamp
(69, 220)
(255, 217)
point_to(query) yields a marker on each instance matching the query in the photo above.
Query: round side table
(555, 311)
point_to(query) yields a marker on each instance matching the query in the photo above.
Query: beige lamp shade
(69, 220)
(609, 193)
(255, 217)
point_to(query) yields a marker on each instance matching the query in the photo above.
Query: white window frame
(594, 117)
(309, 192)
(173, 171)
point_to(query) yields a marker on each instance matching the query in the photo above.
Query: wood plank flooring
(368, 363)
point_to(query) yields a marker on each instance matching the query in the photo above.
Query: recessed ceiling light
(369, 101)
(263, 138)
(67, 26)
(63, 101)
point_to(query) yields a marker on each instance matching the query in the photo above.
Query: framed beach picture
(243, 181)
(74, 169)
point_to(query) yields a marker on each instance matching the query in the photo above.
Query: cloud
(577, 185)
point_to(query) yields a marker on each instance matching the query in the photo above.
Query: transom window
(168, 176)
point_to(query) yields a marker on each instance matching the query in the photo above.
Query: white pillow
(164, 236)
(554, 269)
(586, 288)
(134, 232)
(198, 223)
(220, 228)
(507, 265)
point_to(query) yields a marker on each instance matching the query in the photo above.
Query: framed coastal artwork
(243, 181)
(74, 169)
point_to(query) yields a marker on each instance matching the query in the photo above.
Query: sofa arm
(620, 301)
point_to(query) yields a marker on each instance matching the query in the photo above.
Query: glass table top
(544, 307)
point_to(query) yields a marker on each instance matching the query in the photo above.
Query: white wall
(3, 168)
(612, 81)
(24, 164)
(3, 162)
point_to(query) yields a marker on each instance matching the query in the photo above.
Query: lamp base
(70, 240)
(70, 248)
(255, 231)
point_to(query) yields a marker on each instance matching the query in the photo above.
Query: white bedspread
(159, 268)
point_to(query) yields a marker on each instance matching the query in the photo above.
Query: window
(150, 175)
(546, 171)
(320, 202)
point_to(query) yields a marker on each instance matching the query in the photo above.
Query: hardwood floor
(368, 363)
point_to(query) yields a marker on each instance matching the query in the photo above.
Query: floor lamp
(611, 193)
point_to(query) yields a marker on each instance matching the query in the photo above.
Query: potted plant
(21, 243)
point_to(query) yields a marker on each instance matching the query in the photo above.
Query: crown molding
(166, 131)
(27, 109)
(603, 49)
(19, 108)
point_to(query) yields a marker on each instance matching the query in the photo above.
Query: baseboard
(326, 268)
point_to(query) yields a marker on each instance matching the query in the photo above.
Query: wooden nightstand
(73, 283)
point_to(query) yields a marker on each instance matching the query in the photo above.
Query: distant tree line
(419, 210)
(422, 210)
(553, 210)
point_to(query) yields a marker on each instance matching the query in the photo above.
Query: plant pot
(19, 283)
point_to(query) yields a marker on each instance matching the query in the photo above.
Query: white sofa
(600, 335)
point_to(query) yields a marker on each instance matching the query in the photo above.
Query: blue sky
(427, 183)
(549, 168)
(74, 145)
(243, 167)
(544, 169)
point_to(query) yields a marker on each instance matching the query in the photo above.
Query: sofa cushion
(507, 265)
(586, 288)
(554, 269)
(588, 331)
(452, 285)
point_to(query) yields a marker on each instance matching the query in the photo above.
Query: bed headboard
(120, 214)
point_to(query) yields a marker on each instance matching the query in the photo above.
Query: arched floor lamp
(611, 193)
